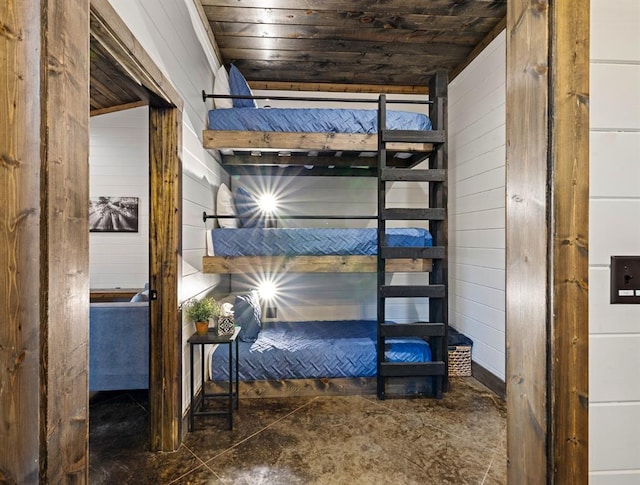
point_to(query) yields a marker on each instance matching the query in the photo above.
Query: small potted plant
(201, 311)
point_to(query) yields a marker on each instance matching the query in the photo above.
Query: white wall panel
(483, 257)
(483, 238)
(614, 436)
(490, 199)
(615, 36)
(481, 161)
(615, 164)
(614, 229)
(477, 207)
(604, 317)
(614, 361)
(615, 97)
(489, 277)
(631, 477)
(481, 219)
(119, 166)
(483, 182)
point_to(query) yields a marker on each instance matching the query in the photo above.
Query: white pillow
(221, 86)
(226, 207)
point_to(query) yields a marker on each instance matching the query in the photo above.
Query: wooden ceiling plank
(372, 57)
(348, 18)
(442, 33)
(486, 8)
(352, 45)
(332, 73)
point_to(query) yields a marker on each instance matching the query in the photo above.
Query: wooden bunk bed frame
(271, 153)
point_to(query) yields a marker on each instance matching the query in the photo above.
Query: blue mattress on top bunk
(311, 241)
(308, 350)
(313, 120)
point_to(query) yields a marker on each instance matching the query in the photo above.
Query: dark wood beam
(419, 7)
(44, 287)
(547, 234)
(527, 237)
(165, 230)
(569, 231)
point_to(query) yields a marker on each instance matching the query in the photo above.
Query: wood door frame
(41, 311)
(165, 233)
(547, 267)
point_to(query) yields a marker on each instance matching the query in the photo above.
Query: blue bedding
(308, 350)
(313, 120)
(311, 241)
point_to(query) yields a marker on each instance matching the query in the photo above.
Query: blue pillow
(248, 315)
(247, 208)
(142, 296)
(239, 87)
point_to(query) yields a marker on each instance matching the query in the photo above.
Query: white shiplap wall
(166, 31)
(614, 345)
(477, 207)
(119, 166)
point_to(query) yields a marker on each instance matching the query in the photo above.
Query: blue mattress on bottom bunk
(255, 241)
(307, 350)
(313, 120)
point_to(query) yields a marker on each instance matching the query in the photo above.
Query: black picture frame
(113, 214)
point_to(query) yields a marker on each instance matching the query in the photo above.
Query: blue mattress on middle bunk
(308, 350)
(313, 120)
(254, 241)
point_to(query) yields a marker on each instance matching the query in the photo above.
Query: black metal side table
(198, 404)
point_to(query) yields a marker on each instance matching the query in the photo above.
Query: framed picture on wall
(113, 214)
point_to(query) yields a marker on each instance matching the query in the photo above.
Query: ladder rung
(430, 214)
(393, 252)
(413, 369)
(413, 174)
(413, 136)
(399, 291)
(418, 329)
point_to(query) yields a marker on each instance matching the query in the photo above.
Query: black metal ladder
(434, 328)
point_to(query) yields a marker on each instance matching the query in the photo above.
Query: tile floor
(460, 439)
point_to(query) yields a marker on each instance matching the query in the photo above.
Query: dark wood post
(569, 316)
(165, 367)
(546, 240)
(44, 284)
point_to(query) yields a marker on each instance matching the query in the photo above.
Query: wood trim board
(307, 264)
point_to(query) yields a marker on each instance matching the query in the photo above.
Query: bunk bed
(381, 146)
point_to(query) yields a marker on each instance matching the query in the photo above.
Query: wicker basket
(459, 360)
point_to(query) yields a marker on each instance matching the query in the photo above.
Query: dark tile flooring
(460, 439)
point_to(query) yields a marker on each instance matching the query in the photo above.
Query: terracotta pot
(202, 328)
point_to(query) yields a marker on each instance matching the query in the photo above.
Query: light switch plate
(625, 279)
